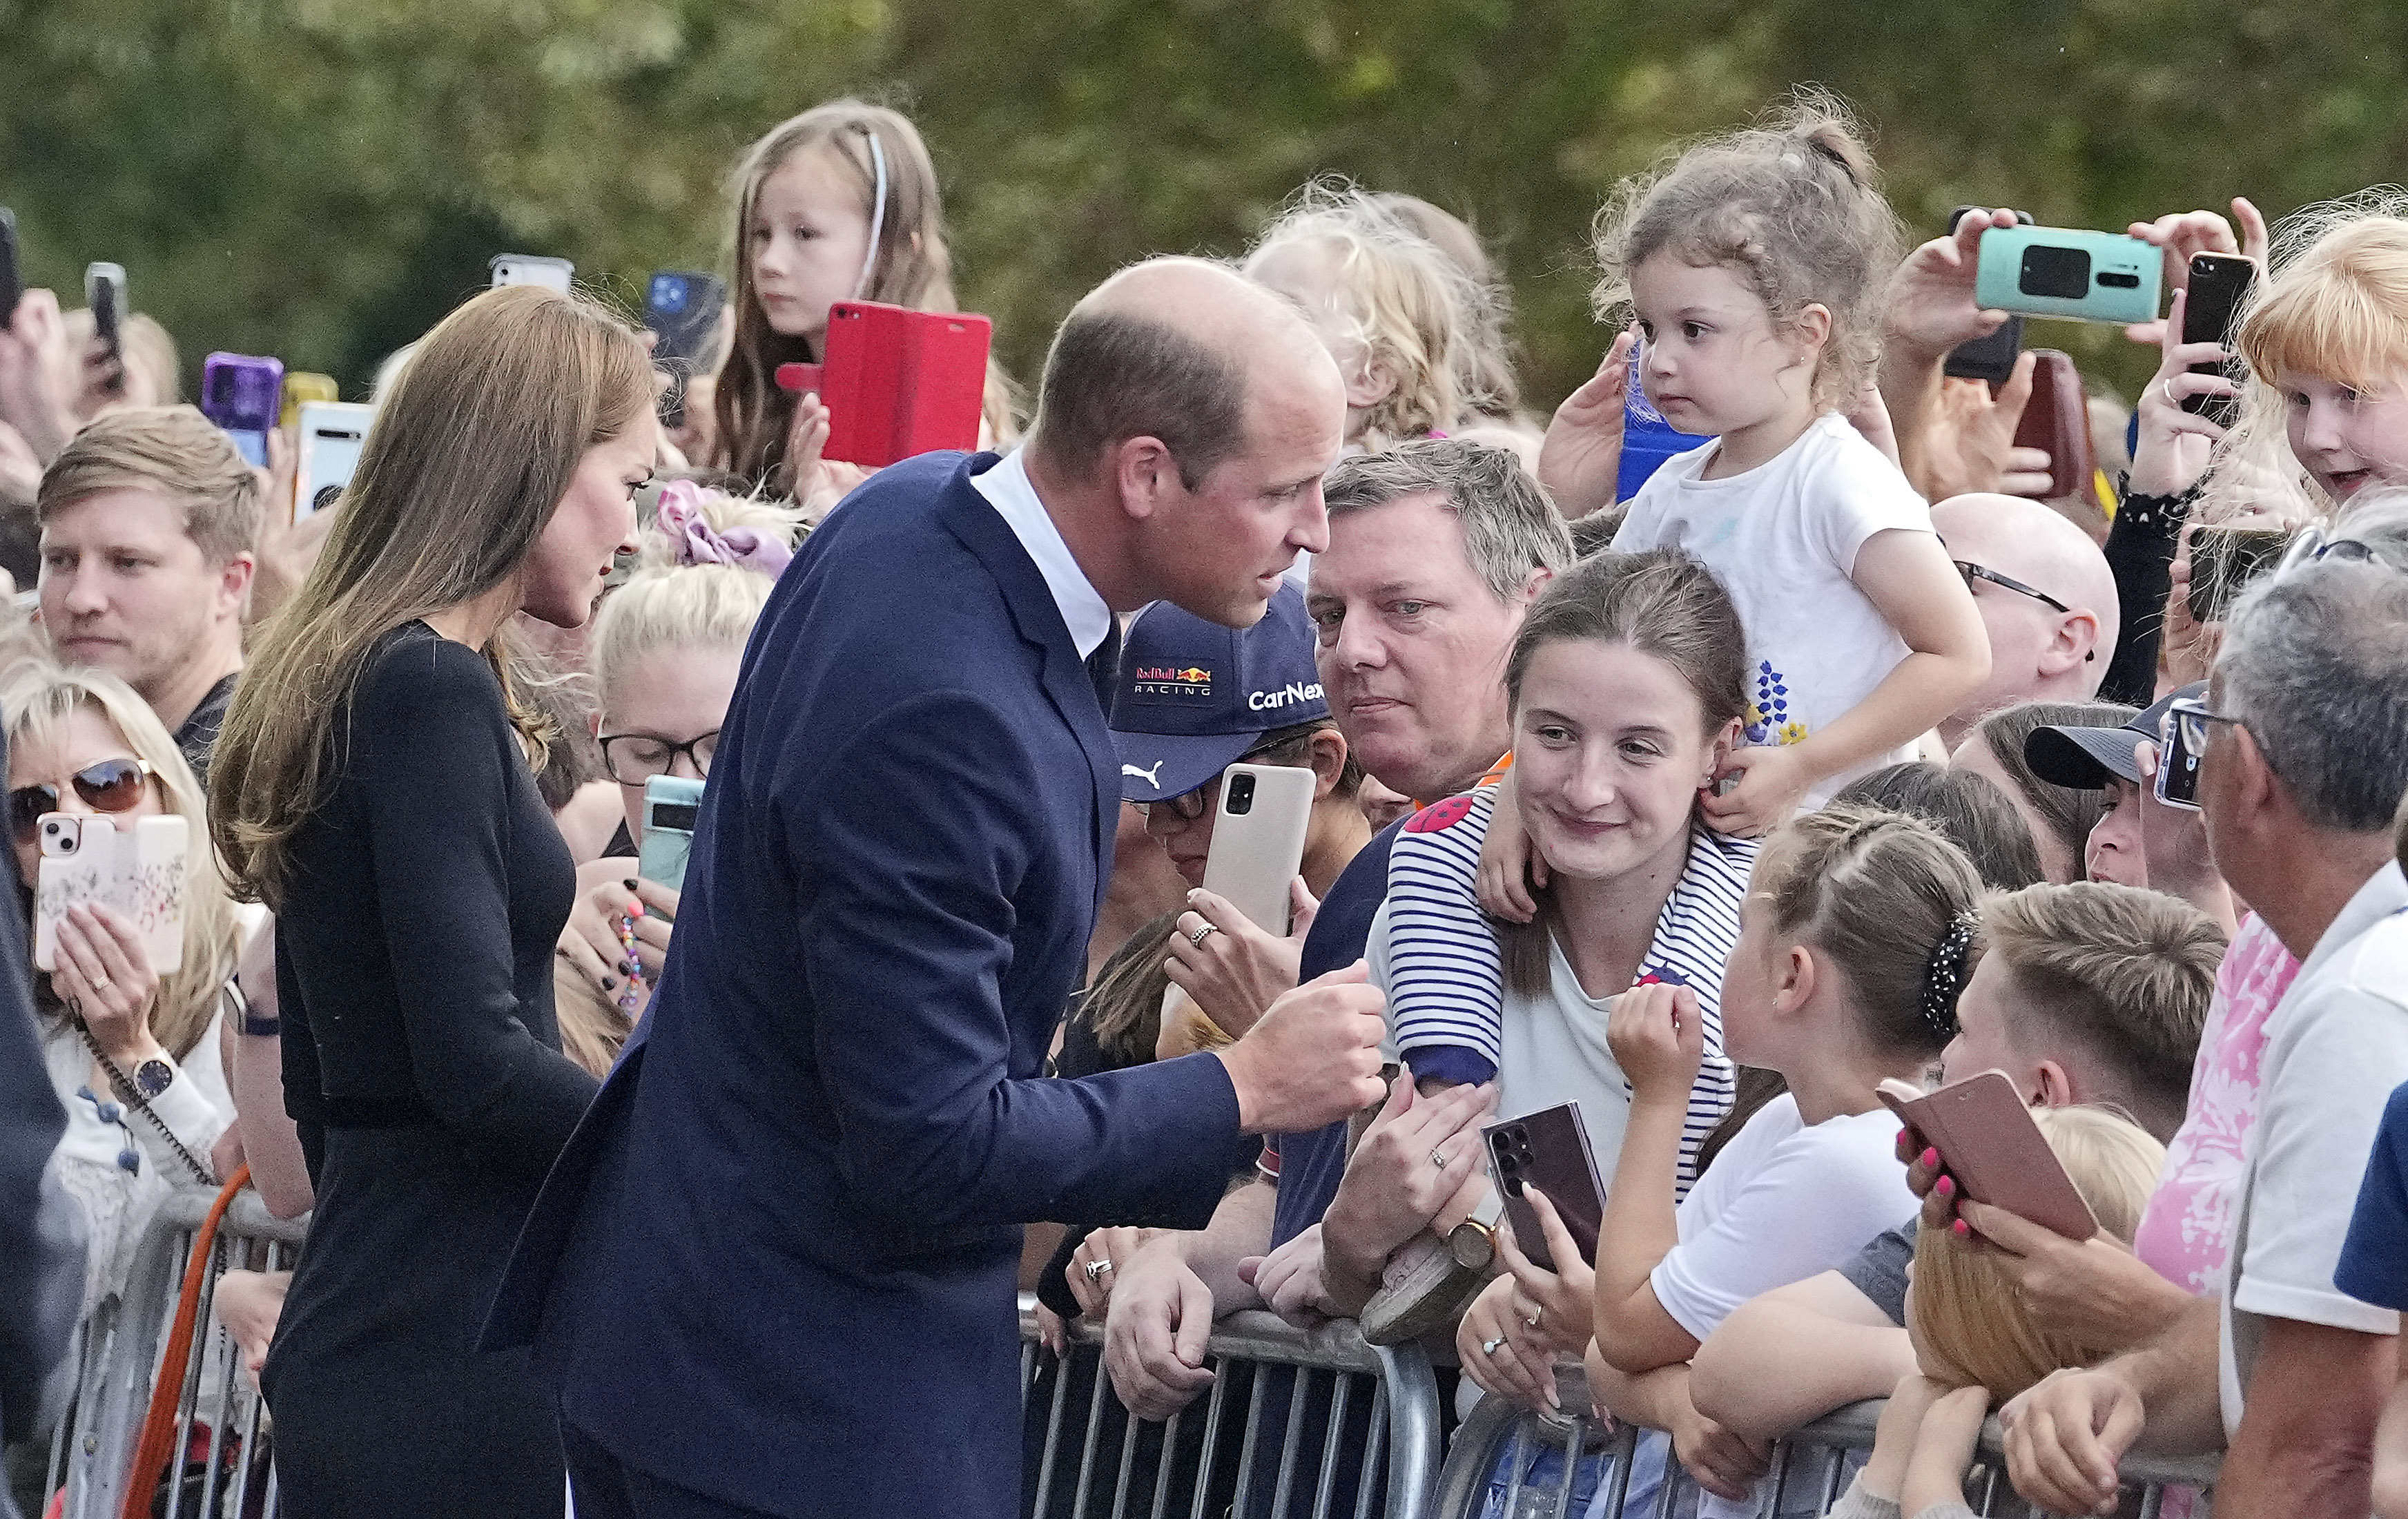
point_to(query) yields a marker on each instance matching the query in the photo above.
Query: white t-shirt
(1782, 540)
(2335, 1047)
(1782, 1202)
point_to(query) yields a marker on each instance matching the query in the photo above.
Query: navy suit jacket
(776, 1264)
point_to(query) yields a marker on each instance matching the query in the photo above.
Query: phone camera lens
(1242, 795)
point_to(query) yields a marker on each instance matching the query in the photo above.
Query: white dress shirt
(1083, 612)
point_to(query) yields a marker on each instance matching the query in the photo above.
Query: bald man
(774, 1272)
(2046, 595)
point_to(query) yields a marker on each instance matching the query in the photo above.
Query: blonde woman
(373, 785)
(136, 1057)
(664, 652)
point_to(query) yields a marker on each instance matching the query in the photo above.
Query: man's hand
(1154, 1334)
(1582, 456)
(33, 357)
(1105, 1250)
(1313, 1059)
(1239, 969)
(1930, 307)
(2065, 1437)
(2094, 1290)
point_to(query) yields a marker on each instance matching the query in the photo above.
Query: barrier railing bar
(1254, 1429)
(1341, 1389)
(1162, 1468)
(1284, 1486)
(1129, 1460)
(1373, 1450)
(1053, 1435)
(1087, 1452)
(1571, 1466)
(1212, 1407)
(1413, 1456)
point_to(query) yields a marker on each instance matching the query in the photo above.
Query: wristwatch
(152, 1076)
(1473, 1241)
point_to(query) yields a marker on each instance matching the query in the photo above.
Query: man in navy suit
(774, 1271)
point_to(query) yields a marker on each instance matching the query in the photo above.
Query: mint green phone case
(2054, 272)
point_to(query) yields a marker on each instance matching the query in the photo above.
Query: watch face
(151, 1077)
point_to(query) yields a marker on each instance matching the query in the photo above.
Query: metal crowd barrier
(1809, 1471)
(120, 1344)
(1376, 1409)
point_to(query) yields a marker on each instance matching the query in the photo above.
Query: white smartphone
(136, 872)
(532, 270)
(1258, 839)
(332, 435)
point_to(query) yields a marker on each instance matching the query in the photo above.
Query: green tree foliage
(321, 178)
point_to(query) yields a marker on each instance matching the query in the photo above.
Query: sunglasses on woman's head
(113, 785)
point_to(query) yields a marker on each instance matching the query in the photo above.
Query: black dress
(421, 1065)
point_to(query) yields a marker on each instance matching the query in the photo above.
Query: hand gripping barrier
(225, 1470)
(1297, 1425)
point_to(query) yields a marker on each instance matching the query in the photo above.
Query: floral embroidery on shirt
(1768, 719)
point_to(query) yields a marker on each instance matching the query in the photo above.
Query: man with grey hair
(1436, 549)
(2303, 746)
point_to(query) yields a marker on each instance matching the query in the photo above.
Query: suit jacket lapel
(1037, 617)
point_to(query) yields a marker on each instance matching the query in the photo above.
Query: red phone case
(2058, 419)
(1987, 1140)
(899, 383)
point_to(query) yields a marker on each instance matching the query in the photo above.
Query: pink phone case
(899, 383)
(1988, 1142)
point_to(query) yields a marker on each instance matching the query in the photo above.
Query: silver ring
(2165, 389)
(1095, 1269)
(103, 984)
(1533, 1320)
(1488, 1347)
(1440, 1159)
(1197, 937)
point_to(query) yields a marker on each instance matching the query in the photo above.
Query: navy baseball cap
(2083, 758)
(1193, 695)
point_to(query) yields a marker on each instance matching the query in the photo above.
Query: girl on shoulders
(1756, 267)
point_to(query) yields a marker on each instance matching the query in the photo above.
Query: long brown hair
(463, 469)
(911, 265)
(1662, 603)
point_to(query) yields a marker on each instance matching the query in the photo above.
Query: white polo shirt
(2335, 1047)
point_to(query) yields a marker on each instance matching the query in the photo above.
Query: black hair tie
(1943, 976)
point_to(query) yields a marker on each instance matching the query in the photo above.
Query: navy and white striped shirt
(1436, 956)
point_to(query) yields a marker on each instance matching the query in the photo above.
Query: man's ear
(1329, 757)
(235, 578)
(1147, 474)
(2255, 788)
(1535, 582)
(593, 723)
(2052, 1087)
(2075, 640)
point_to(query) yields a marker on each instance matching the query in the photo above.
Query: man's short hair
(2124, 972)
(172, 450)
(2316, 662)
(1510, 527)
(1111, 376)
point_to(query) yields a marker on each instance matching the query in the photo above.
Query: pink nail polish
(1945, 1187)
(1961, 1232)
(1931, 1158)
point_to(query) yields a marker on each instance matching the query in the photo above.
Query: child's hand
(1894, 1438)
(1510, 868)
(1773, 780)
(1582, 455)
(1944, 1448)
(1658, 1039)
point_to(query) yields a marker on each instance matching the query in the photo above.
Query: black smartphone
(1548, 1149)
(1991, 358)
(2223, 562)
(12, 283)
(682, 307)
(2219, 283)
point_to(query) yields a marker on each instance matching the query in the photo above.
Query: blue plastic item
(1647, 439)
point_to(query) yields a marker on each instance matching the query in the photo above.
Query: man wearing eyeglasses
(2301, 743)
(2047, 600)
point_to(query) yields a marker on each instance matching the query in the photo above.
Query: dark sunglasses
(113, 785)
(1983, 572)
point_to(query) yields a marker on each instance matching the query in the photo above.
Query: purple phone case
(244, 396)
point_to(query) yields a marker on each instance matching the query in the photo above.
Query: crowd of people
(1836, 751)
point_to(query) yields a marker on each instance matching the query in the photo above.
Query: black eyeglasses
(113, 785)
(634, 758)
(1983, 572)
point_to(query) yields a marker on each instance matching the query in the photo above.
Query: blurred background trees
(320, 180)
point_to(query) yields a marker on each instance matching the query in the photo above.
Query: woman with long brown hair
(373, 784)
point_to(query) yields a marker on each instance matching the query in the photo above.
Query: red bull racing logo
(1177, 680)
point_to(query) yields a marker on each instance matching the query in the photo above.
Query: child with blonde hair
(1976, 1341)
(1400, 316)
